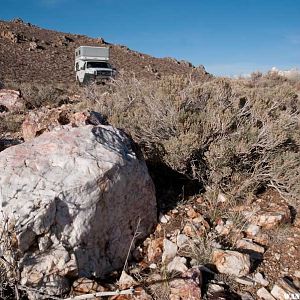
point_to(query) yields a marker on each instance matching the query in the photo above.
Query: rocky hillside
(32, 54)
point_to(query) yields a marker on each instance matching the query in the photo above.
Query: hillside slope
(29, 53)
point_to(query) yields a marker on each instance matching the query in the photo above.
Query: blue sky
(229, 37)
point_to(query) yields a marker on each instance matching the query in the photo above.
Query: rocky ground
(200, 248)
(236, 257)
(203, 246)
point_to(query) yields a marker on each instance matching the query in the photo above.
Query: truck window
(77, 66)
(98, 64)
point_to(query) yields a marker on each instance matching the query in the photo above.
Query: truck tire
(78, 82)
(86, 80)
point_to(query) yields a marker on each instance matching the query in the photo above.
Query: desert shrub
(10, 123)
(231, 135)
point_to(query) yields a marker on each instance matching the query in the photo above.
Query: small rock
(178, 264)
(264, 294)
(296, 283)
(194, 262)
(254, 250)
(188, 287)
(170, 251)
(153, 266)
(277, 256)
(222, 198)
(154, 250)
(182, 240)
(231, 262)
(287, 285)
(126, 281)
(223, 229)
(192, 213)
(297, 274)
(10, 100)
(249, 245)
(252, 230)
(85, 286)
(216, 291)
(262, 239)
(194, 229)
(244, 280)
(271, 216)
(44, 243)
(33, 46)
(258, 278)
(163, 218)
(278, 292)
(246, 296)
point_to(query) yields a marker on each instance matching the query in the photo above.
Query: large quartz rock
(75, 196)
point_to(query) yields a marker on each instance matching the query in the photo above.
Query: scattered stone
(69, 184)
(287, 285)
(297, 274)
(10, 100)
(254, 250)
(252, 230)
(271, 216)
(246, 296)
(191, 213)
(262, 239)
(264, 294)
(224, 228)
(182, 240)
(216, 291)
(153, 266)
(155, 250)
(83, 286)
(222, 198)
(33, 46)
(188, 287)
(231, 262)
(194, 229)
(178, 264)
(278, 292)
(258, 278)
(38, 122)
(12, 36)
(244, 280)
(170, 251)
(126, 281)
(164, 218)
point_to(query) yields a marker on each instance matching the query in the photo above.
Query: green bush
(237, 136)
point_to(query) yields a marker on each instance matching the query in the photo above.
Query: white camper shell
(92, 64)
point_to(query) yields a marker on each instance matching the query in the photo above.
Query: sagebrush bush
(237, 136)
